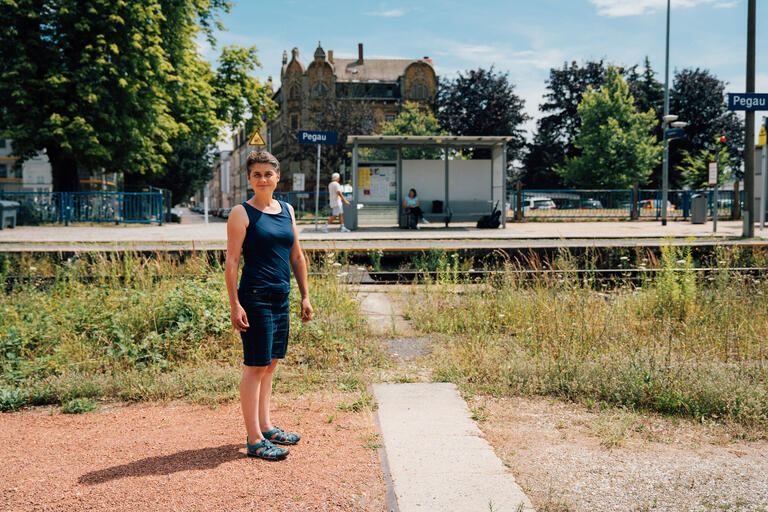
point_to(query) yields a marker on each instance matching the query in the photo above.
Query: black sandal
(279, 437)
(266, 450)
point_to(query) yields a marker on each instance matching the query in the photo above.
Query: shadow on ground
(204, 458)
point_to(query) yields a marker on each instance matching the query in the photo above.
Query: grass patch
(364, 401)
(676, 345)
(131, 327)
(79, 406)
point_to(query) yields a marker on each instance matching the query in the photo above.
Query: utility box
(9, 211)
(698, 209)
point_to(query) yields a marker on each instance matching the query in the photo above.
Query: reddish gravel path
(187, 457)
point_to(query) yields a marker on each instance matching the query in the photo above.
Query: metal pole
(354, 182)
(317, 187)
(749, 132)
(665, 157)
(714, 199)
(764, 173)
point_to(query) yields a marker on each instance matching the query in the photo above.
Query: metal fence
(66, 207)
(575, 203)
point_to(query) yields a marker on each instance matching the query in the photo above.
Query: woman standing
(264, 229)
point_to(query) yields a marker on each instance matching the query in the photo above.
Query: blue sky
(522, 37)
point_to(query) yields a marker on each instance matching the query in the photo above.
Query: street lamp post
(667, 119)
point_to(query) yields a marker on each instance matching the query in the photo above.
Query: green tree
(698, 98)
(111, 84)
(614, 141)
(694, 168)
(414, 119)
(482, 102)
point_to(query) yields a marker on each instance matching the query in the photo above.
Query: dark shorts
(267, 336)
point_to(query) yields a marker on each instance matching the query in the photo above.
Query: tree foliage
(414, 119)
(694, 168)
(616, 149)
(698, 98)
(117, 85)
(482, 102)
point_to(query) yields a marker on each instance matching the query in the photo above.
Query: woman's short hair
(261, 157)
(414, 192)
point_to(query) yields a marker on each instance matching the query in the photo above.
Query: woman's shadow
(204, 458)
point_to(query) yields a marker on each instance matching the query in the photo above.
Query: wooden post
(735, 206)
(519, 202)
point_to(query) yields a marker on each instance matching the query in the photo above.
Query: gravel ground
(188, 457)
(568, 458)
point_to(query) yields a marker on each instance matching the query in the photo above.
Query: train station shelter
(449, 189)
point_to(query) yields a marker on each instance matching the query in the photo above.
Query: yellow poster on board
(761, 139)
(363, 177)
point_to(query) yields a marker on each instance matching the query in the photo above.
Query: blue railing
(573, 203)
(66, 207)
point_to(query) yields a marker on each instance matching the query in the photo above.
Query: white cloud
(727, 5)
(392, 13)
(616, 8)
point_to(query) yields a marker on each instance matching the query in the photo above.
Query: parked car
(655, 204)
(224, 214)
(591, 204)
(538, 203)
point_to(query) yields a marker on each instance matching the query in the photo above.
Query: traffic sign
(747, 101)
(712, 173)
(315, 137)
(761, 139)
(256, 139)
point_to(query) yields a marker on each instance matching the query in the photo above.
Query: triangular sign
(256, 139)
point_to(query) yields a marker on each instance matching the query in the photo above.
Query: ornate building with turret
(311, 96)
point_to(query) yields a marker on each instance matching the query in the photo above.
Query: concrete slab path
(437, 459)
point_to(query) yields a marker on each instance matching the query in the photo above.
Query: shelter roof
(429, 140)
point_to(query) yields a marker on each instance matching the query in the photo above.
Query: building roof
(381, 70)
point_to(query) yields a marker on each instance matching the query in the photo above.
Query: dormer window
(294, 92)
(419, 91)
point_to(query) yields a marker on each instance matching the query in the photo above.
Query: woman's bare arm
(299, 267)
(236, 226)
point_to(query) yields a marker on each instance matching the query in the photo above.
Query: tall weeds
(676, 344)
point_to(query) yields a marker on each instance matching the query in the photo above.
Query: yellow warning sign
(256, 139)
(761, 139)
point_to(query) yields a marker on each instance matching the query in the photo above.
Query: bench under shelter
(449, 190)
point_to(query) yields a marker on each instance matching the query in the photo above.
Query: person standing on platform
(264, 230)
(335, 199)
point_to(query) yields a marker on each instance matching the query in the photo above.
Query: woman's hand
(306, 310)
(239, 318)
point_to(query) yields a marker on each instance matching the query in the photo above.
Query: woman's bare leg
(250, 385)
(265, 394)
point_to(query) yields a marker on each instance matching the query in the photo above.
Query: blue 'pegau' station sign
(315, 137)
(747, 101)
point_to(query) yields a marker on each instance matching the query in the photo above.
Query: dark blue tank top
(267, 249)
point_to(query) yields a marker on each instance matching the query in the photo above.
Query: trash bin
(8, 212)
(698, 209)
(350, 216)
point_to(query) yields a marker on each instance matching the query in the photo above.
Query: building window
(318, 121)
(2, 143)
(4, 171)
(388, 118)
(294, 92)
(319, 91)
(294, 122)
(419, 91)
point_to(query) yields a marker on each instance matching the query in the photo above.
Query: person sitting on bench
(411, 207)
